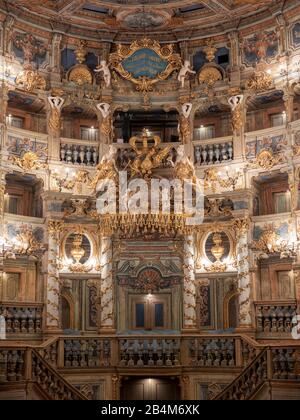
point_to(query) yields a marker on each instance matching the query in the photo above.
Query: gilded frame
(145, 84)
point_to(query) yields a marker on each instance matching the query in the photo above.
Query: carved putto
(103, 68)
(184, 71)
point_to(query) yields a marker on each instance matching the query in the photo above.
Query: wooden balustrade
(27, 365)
(149, 352)
(22, 318)
(86, 352)
(275, 318)
(272, 363)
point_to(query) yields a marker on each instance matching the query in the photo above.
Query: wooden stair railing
(24, 364)
(272, 363)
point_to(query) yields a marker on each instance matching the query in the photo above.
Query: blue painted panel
(145, 62)
(296, 34)
(140, 315)
(159, 315)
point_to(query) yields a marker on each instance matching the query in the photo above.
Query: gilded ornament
(28, 162)
(216, 267)
(210, 50)
(30, 80)
(79, 208)
(55, 227)
(241, 226)
(145, 84)
(106, 169)
(209, 76)
(266, 160)
(81, 75)
(79, 268)
(147, 158)
(259, 81)
(26, 244)
(216, 208)
(81, 51)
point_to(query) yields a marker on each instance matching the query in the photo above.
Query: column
(244, 276)
(8, 26)
(56, 52)
(3, 103)
(107, 316)
(53, 323)
(288, 98)
(2, 201)
(189, 287)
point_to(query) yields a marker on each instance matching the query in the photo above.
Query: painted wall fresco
(18, 146)
(261, 47)
(274, 143)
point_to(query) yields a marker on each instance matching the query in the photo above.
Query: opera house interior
(133, 301)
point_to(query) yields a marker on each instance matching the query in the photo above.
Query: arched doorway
(231, 310)
(67, 313)
(155, 389)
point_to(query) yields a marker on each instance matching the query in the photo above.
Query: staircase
(272, 367)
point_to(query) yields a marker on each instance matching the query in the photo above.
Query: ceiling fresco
(131, 15)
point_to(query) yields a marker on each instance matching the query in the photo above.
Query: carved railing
(149, 352)
(221, 351)
(213, 152)
(22, 318)
(12, 364)
(272, 363)
(275, 318)
(86, 352)
(51, 382)
(27, 365)
(79, 153)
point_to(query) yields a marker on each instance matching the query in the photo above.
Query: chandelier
(147, 158)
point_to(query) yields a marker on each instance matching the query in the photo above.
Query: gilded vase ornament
(30, 80)
(210, 50)
(259, 81)
(81, 51)
(217, 250)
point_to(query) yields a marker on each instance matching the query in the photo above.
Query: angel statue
(103, 68)
(106, 169)
(185, 70)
